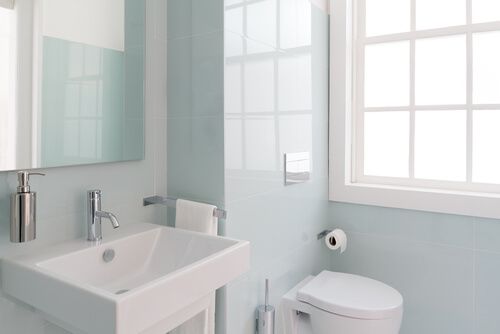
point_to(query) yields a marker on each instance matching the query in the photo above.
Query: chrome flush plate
(297, 168)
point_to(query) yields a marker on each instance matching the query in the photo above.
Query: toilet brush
(265, 315)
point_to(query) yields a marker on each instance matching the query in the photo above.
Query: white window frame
(344, 186)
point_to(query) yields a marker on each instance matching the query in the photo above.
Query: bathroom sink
(143, 279)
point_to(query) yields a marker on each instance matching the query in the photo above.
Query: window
(416, 104)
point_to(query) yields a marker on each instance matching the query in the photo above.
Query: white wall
(61, 194)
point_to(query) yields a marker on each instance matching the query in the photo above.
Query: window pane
(387, 136)
(440, 13)
(486, 137)
(486, 48)
(387, 74)
(440, 145)
(485, 10)
(440, 70)
(387, 16)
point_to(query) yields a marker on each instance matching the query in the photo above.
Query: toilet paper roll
(336, 239)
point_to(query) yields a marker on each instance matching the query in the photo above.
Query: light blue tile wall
(195, 133)
(133, 86)
(201, 120)
(276, 101)
(61, 194)
(445, 266)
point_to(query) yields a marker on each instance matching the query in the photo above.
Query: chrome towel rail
(172, 202)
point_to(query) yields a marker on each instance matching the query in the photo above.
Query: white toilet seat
(351, 296)
(332, 303)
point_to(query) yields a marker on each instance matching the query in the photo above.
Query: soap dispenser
(23, 210)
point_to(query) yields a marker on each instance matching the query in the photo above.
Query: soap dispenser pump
(23, 210)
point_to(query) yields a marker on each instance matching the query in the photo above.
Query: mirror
(71, 82)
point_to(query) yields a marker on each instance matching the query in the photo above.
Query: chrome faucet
(94, 216)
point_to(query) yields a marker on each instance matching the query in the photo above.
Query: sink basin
(143, 279)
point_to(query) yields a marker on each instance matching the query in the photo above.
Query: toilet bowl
(338, 303)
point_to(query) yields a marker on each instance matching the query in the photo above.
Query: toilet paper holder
(334, 240)
(323, 234)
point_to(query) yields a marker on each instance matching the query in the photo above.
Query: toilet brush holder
(265, 315)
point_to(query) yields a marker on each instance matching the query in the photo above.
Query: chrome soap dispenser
(23, 210)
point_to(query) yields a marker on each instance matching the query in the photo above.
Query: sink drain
(108, 255)
(119, 292)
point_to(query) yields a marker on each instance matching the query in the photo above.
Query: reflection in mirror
(87, 83)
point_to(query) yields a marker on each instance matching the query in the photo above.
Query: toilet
(338, 303)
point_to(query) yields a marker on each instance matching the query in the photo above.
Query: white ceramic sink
(159, 277)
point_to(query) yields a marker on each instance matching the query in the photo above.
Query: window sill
(486, 205)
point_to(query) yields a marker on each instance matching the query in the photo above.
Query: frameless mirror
(71, 82)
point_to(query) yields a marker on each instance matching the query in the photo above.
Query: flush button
(297, 168)
(108, 255)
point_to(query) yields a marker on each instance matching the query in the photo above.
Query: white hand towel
(198, 217)
(194, 216)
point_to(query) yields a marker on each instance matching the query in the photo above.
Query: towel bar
(171, 203)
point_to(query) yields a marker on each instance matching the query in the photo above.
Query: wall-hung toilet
(337, 303)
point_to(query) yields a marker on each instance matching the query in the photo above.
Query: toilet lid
(352, 296)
